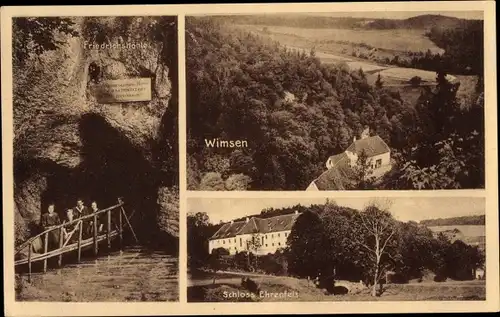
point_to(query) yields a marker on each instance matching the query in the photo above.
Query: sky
(402, 15)
(403, 208)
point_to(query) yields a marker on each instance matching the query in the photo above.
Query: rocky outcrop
(67, 144)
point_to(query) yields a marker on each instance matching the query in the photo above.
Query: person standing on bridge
(49, 220)
(70, 229)
(82, 211)
(101, 218)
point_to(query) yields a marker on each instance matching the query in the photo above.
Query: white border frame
(182, 307)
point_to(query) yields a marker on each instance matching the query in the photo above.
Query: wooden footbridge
(36, 248)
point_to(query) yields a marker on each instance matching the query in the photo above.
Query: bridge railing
(78, 228)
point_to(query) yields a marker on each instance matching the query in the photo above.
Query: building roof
(373, 145)
(229, 230)
(278, 223)
(256, 225)
(338, 158)
(339, 177)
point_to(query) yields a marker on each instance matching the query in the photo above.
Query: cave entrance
(111, 167)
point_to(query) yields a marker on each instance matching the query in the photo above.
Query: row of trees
(444, 145)
(350, 244)
(247, 261)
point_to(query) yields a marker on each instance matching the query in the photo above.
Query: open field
(396, 40)
(337, 46)
(282, 288)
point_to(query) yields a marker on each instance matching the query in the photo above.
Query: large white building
(339, 167)
(267, 234)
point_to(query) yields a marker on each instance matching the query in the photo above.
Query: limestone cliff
(68, 145)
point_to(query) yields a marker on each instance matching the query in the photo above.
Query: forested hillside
(458, 221)
(425, 21)
(295, 112)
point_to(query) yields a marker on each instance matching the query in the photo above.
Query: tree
(415, 81)
(312, 52)
(241, 163)
(340, 253)
(379, 83)
(217, 163)
(212, 181)
(376, 230)
(200, 230)
(305, 244)
(238, 182)
(215, 260)
(362, 171)
(462, 260)
(414, 249)
(254, 244)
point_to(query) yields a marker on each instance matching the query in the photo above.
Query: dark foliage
(200, 230)
(294, 111)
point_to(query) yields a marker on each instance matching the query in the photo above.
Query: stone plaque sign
(124, 90)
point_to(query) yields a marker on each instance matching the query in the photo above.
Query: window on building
(262, 240)
(266, 244)
(286, 234)
(223, 241)
(279, 243)
(278, 234)
(241, 243)
(378, 163)
(273, 244)
(272, 236)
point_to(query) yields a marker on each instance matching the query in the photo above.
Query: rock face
(67, 145)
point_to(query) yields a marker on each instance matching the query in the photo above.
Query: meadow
(205, 289)
(398, 40)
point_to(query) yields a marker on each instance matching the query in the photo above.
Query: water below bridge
(133, 274)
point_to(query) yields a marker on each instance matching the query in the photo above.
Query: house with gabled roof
(339, 173)
(271, 234)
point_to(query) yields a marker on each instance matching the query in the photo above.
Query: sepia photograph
(221, 159)
(95, 151)
(335, 101)
(336, 249)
